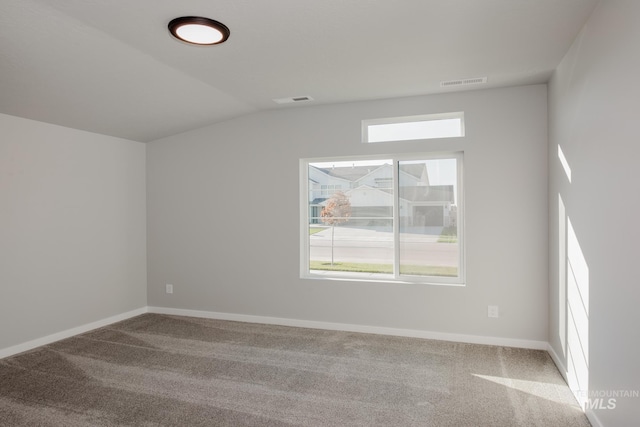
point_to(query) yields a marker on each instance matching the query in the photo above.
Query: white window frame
(411, 119)
(396, 277)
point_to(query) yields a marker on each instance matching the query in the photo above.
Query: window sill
(377, 278)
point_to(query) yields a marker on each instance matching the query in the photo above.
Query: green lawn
(412, 270)
(448, 235)
(314, 230)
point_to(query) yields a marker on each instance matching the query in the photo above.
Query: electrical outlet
(169, 288)
(492, 311)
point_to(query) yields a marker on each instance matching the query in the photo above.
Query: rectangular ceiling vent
(293, 99)
(464, 82)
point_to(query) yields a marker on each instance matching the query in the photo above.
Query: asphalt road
(376, 246)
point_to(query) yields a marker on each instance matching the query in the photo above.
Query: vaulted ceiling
(111, 67)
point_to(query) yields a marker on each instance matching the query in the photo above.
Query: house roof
(414, 169)
(350, 173)
(355, 173)
(433, 193)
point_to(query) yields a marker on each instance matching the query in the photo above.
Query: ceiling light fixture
(198, 30)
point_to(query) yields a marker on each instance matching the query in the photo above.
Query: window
(395, 218)
(445, 125)
(329, 189)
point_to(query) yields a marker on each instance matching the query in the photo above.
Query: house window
(329, 189)
(392, 219)
(445, 125)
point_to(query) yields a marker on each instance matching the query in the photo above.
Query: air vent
(293, 99)
(464, 82)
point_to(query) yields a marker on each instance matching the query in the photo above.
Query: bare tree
(336, 211)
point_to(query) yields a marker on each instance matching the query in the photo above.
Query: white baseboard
(593, 419)
(559, 363)
(411, 333)
(591, 416)
(29, 345)
(379, 330)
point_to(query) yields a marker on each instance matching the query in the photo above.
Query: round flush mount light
(198, 30)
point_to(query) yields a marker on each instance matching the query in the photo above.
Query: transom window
(383, 219)
(408, 128)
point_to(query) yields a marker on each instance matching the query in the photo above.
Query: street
(368, 245)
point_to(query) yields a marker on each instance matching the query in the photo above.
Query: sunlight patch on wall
(562, 275)
(577, 317)
(564, 162)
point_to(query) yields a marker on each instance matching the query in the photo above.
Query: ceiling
(111, 67)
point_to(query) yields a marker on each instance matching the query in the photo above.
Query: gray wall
(593, 101)
(72, 228)
(223, 217)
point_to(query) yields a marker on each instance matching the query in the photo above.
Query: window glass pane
(428, 126)
(351, 217)
(428, 218)
(386, 219)
(415, 130)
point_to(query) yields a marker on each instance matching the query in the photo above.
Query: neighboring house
(370, 191)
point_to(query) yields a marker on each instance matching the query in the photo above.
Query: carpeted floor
(157, 370)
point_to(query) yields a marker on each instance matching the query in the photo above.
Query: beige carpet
(157, 370)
